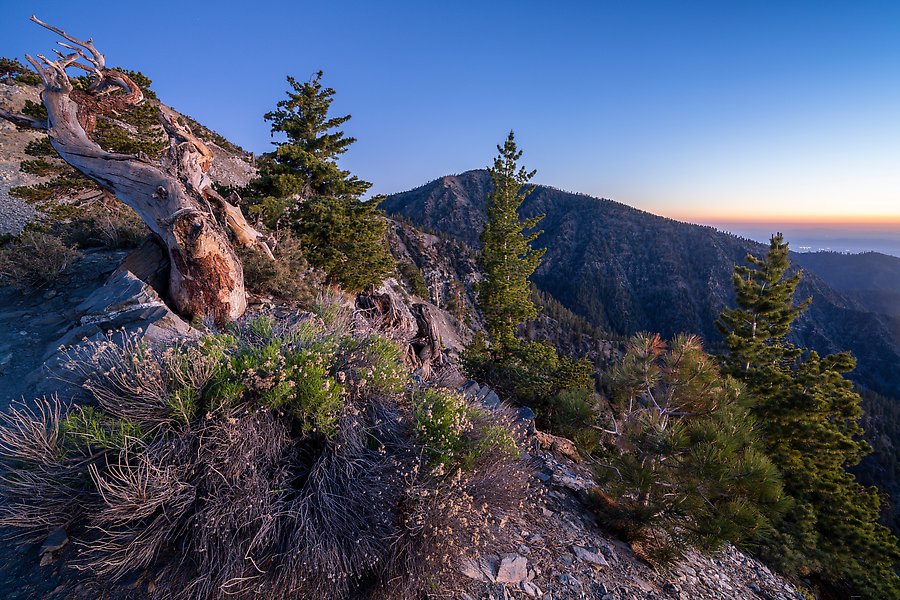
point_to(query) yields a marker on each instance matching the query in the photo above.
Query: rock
(491, 399)
(557, 444)
(531, 589)
(55, 541)
(149, 263)
(126, 302)
(480, 569)
(513, 569)
(469, 388)
(525, 420)
(590, 556)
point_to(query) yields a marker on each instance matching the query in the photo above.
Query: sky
(714, 112)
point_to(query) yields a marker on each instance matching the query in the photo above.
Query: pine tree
(302, 187)
(809, 415)
(525, 372)
(755, 332)
(507, 259)
(683, 469)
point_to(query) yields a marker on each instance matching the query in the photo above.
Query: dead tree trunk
(171, 196)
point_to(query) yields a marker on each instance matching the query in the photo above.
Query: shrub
(414, 279)
(67, 183)
(107, 223)
(682, 468)
(530, 373)
(288, 276)
(255, 463)
(145, 134)
(36, 110)
(34, 260)
(39, 167)
(13, 70)
(40, 147)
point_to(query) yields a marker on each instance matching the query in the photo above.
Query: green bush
(147, 137)
(11, 70)
(38, 167)
(530, 374)
(66, 184)
(414, 279)
(35, 110)
(40, 147)
(85, 425)
(456, 433)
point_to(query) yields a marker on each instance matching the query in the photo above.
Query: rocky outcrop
(100, 297)
(558, 551)
(448, 270)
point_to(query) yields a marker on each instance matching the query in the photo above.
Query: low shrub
(277, 459)
(289, 276)
(105, 223)
(415, 281)
(682, 468)
(11, 70)
(34, 260)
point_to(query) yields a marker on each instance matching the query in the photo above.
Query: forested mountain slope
(627, 270)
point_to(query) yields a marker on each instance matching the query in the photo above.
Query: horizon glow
(701, 111)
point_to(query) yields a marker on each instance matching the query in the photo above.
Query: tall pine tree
(525, 372)
(809, 415)
(301, 186)
(507, 259)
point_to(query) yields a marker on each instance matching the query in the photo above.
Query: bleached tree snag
(244, 233)
(171, 196)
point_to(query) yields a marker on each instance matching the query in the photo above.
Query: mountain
(870, 278)
(626, 270)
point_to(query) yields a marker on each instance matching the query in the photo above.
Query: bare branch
(23, 120)
(97, 59)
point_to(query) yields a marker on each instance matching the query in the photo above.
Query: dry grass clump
(34, 260)
(107, 223)
(280, 459)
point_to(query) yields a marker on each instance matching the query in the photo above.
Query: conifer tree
(301, 186)
(809, 415)
(507, 259)
(525, 372)
(683, 468)
(755, 331)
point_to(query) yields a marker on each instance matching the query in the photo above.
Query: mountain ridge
(628, 270)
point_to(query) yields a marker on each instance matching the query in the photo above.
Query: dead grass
(212, 484)
(34, 260)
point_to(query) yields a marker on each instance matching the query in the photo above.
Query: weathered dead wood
(244, 233)
(172, 196)
(23, 120)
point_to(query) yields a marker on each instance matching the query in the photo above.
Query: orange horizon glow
(793, 219)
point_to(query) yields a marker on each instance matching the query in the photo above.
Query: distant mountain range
(626, 270)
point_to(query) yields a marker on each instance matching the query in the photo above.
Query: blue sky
(698, 110)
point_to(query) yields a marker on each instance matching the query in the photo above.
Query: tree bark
(171, 196)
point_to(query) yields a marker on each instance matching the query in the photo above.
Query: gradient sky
(707, 111)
